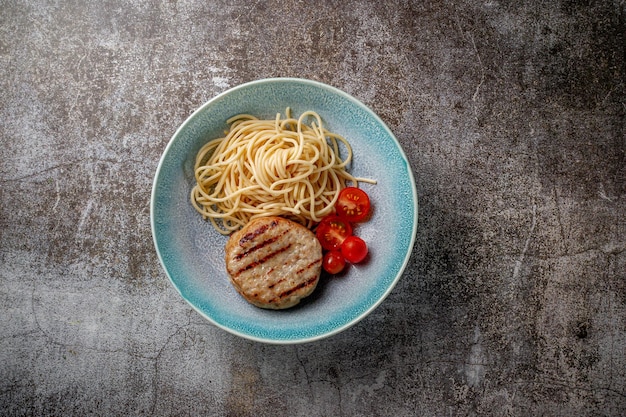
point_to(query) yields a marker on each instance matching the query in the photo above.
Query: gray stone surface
(512, 115)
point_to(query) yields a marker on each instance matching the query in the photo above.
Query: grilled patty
(274, 262)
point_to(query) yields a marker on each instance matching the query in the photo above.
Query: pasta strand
(281, 167)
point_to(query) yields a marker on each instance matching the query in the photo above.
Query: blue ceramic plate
(192, 253)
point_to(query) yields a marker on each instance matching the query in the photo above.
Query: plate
(192, 252)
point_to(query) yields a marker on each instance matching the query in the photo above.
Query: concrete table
(512, 115)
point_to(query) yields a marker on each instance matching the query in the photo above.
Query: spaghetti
(281, 167)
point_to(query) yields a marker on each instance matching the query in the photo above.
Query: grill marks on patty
(296, 288)
(261, 245)
(274, 262)
(263, 260)
(256, 232)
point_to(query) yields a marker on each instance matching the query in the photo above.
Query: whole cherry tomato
(333, 262)
(354, 249)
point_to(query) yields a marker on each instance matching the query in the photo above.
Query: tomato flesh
(353, 204)
(354, 249)
(333, 262)
(332, 231)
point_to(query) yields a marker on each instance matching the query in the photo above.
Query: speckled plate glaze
(192, 253)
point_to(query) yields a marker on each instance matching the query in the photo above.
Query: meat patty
(274, 262)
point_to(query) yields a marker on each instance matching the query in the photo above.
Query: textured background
(512, 115)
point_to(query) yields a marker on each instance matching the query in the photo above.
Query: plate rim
(333, 90)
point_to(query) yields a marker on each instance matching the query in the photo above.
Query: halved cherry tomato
(332, 231)
(333, 262)
(353, 204)
(354, 249)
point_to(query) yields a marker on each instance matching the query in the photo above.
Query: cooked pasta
(281, 167)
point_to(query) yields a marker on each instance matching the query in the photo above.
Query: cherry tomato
(354, 249)
(353, 204)
(333, 262)
(332, 231)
